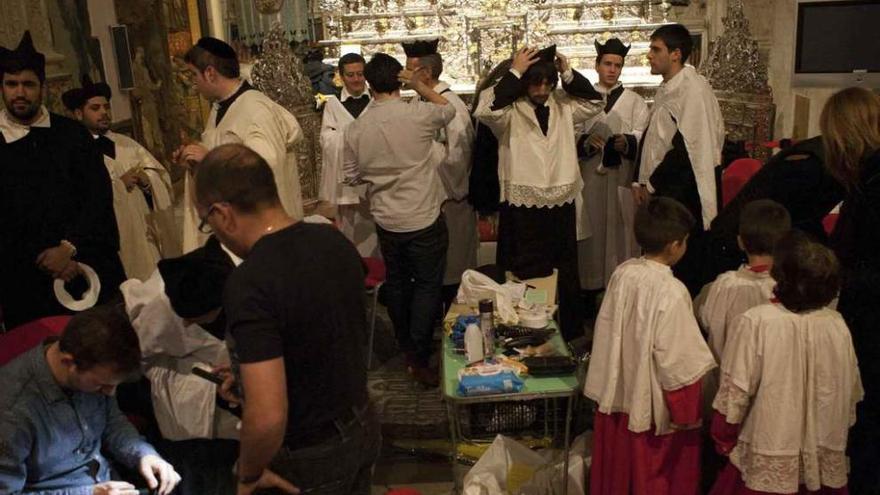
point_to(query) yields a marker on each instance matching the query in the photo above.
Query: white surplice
(603, 242)
(646, 340)
(184, 404)
(353, 209)
(453, 150)
(793, 382)
(536, 169)
(730, 295)
(145, 235)
(256, 121)
(687, 104)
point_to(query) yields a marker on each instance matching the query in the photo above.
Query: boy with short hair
(648, 360)
(761, 224)
(789, 383)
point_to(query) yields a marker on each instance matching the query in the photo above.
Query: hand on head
(525, 58)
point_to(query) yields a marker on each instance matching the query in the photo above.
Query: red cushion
(24, 337)
(375, 272)
(735, 177)
(487, 231)
(829, 222)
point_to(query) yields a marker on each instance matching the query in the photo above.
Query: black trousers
(534, 241)
(414, 262)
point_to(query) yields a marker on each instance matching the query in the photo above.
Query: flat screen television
(837, 43)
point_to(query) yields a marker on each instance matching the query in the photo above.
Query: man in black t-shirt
(297, 326)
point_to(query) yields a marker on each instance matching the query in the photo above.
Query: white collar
(656, 265)
(346, 95)
(441, 86)
(13, 131)
(602, 89)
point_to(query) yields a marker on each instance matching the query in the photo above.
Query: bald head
(236, 174)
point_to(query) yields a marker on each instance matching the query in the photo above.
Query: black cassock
(53, 186)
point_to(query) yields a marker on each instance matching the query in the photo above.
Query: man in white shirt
(240, 114)
(453, 151)
(390, 149)
(142, 198)
(681, 148)
(538, 170)
(608, 148)
(352, 209)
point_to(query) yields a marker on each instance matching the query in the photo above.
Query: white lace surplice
(792, 381)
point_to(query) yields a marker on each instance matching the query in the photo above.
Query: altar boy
(648, 360)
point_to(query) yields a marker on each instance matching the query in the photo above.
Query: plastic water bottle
(473, 343)
(487, 326)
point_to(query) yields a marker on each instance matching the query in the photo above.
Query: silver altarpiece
(475, 35)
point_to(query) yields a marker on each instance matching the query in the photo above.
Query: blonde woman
(851, 133)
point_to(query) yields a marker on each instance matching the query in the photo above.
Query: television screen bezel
(827, 79)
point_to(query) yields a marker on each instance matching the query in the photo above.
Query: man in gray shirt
(389, 148)
(58, 413)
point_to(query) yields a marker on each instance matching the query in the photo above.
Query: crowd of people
(745, 328)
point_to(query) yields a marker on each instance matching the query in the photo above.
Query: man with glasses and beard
(56, 204)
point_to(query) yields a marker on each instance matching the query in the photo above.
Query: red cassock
(730, 481)
(645, 463)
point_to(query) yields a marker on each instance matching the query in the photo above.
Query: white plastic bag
(476, 286)
(509, 467)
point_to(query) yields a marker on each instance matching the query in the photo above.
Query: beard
(23, 114)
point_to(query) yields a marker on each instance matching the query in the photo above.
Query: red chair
(374, 280)
(735, 177)
(25, 337)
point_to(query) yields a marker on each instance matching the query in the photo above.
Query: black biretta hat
(420, 48)
(24, 57)
(613, 47)
(75, 98)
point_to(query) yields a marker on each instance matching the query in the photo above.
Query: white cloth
(184, 403)
(390, 147)
(730, 295)
(13, 131)
(453, 148)
(646, 340)
(145, 235)
(792, 380)
(686, 103)
(603, 242)
(534, 169)
(353, 209)
(256, 121)
(334, 121)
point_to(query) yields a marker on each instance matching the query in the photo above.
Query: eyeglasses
(204, 226)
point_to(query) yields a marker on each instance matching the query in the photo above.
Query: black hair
(238, 175)
(540, 72)
(102, 335)
(350, 58)
(661, 222)
(761, 224)
(202, 59)
(675, 37)
(807, 273)
(381, 73)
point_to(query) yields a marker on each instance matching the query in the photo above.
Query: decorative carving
(268, 7)
(738, 74)
(734, 63)
(280, 75)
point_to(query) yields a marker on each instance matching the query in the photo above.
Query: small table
(556, 387)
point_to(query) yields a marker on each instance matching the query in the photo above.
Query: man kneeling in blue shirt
(57, 413)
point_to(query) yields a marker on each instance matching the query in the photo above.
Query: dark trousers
(534, 241)
(414, 264)
(340, 465)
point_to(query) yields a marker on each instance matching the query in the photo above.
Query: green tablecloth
(535, 387)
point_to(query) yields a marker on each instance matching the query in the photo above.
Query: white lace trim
(731, 401)
(520, 195)
(784, 473)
